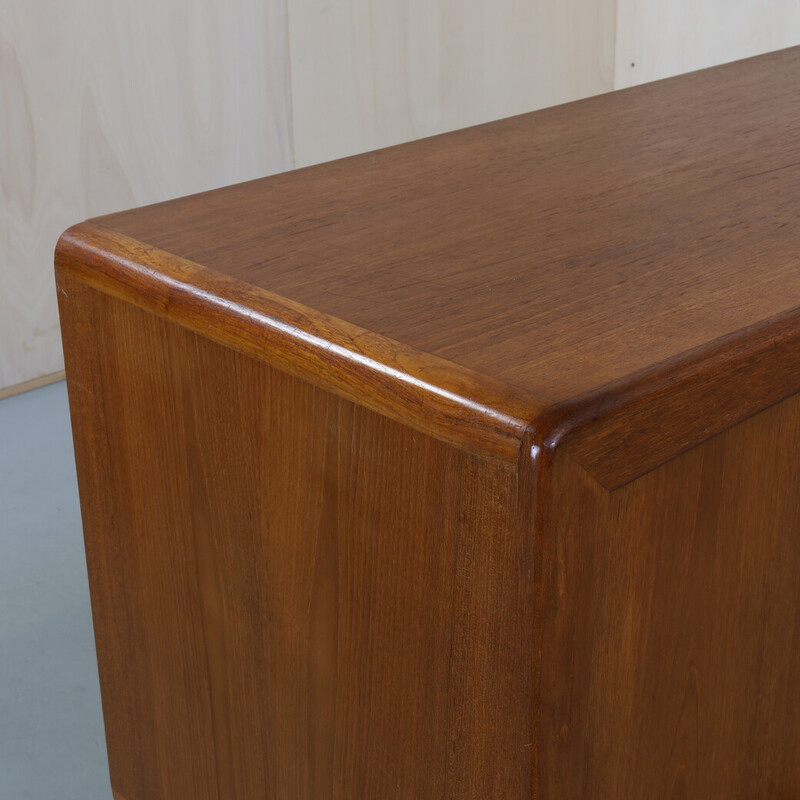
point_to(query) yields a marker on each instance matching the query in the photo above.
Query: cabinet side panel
(294, 597)
(671, 624)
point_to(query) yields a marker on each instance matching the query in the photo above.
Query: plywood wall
(367, 73)
(657, 39)
(106, 104)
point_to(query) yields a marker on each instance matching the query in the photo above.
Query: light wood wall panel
(105, 105)
(368, 73)
(656, 39)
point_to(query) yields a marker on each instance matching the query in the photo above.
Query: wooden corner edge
(621, 431)
(433, 395)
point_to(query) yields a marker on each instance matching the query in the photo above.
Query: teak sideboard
(464, 469)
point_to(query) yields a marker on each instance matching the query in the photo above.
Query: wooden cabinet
(462, 469)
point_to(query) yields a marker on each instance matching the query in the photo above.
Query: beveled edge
(430, 394)
(623, 430)
(616, 432)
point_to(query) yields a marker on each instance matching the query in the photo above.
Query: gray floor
(51, 728)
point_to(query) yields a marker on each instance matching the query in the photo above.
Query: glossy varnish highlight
(284, 584)
(557, 251)
(464, 469)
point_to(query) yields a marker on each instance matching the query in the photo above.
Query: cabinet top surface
(557, 251)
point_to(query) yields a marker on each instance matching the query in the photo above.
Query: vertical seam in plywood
(614, 45)
(290, 120)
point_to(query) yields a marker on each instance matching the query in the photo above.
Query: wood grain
(104, 106)
(261, 563)
(429, 393)
(670, 623)
(465, 469)
(566, 248)
(107, 106)
(588, 256)
(635, 424)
